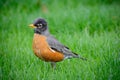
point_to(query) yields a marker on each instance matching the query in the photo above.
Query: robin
(46, 47)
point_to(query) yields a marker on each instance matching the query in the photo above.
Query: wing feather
(57, 46)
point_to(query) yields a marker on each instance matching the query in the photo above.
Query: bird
(46, 47)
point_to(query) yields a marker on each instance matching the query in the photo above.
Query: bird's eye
(39, 25)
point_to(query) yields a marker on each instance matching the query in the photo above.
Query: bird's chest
(43, 51)
(39, 45)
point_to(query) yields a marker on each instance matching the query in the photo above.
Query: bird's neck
(45, 33)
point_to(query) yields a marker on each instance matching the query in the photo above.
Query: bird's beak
(32, 26)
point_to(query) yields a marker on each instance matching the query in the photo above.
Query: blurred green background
(90, 28)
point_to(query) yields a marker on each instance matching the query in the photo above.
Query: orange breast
(43, 51)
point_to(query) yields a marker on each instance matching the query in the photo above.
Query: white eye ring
(39, 25)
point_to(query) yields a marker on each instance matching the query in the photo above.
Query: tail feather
(82, 58)
(78, 56)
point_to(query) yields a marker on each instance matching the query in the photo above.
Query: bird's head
(39, 25)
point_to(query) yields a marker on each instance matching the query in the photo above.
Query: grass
(89, 28)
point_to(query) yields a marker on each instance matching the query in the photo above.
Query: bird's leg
(53, 64)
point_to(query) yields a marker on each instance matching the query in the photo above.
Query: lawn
(89, 28)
